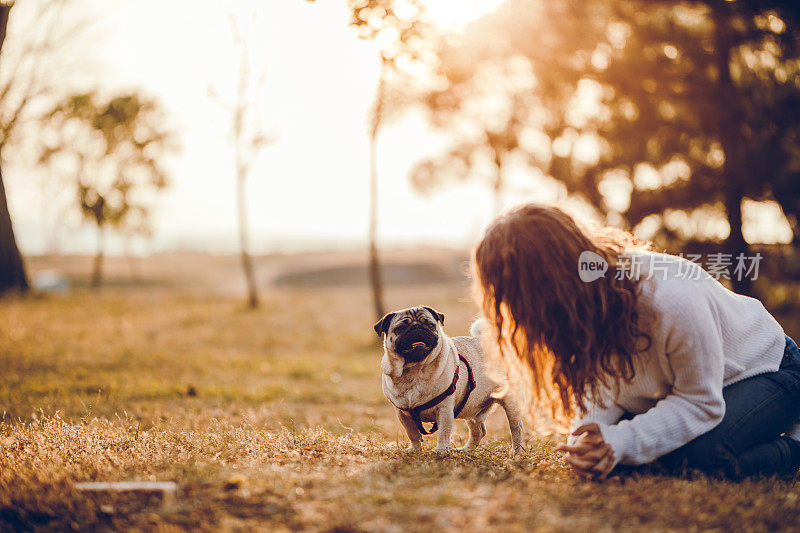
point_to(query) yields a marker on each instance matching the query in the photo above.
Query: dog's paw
(414, 447)
(517, 450)
(467, 447)
(443, 450)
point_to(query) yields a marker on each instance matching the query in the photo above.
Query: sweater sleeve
(695, 404)
(610, 414)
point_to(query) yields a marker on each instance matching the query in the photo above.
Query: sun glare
(456, 13)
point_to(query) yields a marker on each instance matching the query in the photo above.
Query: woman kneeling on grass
(662, 363)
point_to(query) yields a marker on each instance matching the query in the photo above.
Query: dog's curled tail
(478, 327)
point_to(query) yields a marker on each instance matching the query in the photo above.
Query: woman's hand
(589, 456)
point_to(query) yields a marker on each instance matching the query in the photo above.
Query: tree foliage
(112, 153)
(402, 31)
(642, 108)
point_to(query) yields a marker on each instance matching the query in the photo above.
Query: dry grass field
(274, 420)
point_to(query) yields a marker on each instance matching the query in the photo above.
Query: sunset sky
(309, 189)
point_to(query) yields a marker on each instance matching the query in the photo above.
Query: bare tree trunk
(497, 191)
(133, 263)
(374, 259)
(247, 262)
(735, 243)
(97, 268)
(12, 268)
(795, 230)
(732, 143)
(245, 145)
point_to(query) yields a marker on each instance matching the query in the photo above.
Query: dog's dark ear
(383, 324)
(439, 316)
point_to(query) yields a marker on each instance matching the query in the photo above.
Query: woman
(662, 363)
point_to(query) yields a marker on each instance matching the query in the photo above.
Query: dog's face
(411, 333)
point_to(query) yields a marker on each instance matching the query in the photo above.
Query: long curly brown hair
(575, 337)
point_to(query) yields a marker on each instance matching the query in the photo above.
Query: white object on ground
(168, 489)
(50, 281)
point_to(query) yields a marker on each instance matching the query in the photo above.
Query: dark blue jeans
(749, 439)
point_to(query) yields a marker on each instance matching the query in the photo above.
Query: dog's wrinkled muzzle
(415, 344)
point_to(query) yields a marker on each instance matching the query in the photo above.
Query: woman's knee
(711, 456)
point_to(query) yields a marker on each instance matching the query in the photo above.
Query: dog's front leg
(444, 418)
(411, 430)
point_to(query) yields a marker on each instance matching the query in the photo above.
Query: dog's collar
(415, 412)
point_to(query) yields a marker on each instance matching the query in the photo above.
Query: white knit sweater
(704, 337)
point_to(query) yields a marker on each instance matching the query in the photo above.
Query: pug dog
(430, 377)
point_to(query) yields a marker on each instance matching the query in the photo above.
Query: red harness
(415, 412)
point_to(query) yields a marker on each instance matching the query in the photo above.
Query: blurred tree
(646, 108)
(28, 73)
(496, 92)
(397, 26)
(708, 95)
(248, 140)
(485, 152)
(112, 151)
(374, 260)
